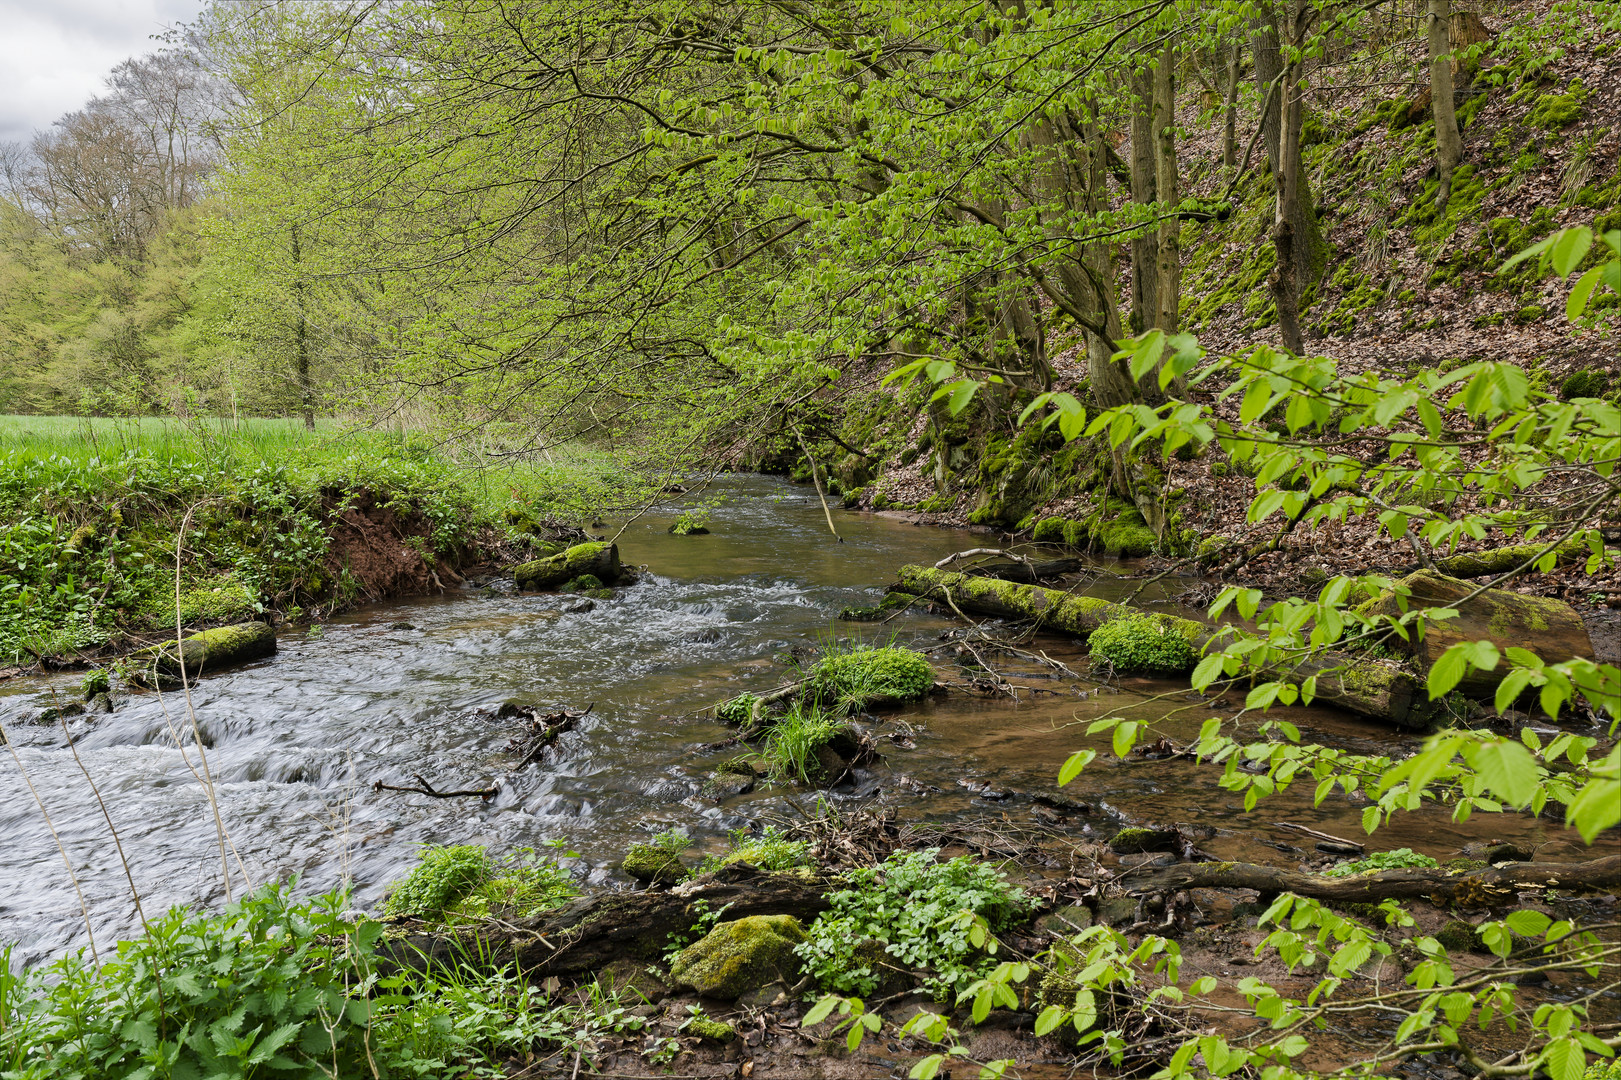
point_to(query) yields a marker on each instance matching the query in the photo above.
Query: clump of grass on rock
(865, 675)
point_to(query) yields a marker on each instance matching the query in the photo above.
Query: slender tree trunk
(1229, 132)
(301, 356)
(1448, 142)
(1286, 280)
(1168, 289)
(1268, 66)
(1144, 190)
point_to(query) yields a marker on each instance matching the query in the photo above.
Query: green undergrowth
(464, 883)
(90, 513)
(274, 986)
(913, 913)
(1399, 859)
(771, 850)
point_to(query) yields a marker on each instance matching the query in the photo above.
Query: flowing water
(295, 743)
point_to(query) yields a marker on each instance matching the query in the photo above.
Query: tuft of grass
(791, 745)
(854, 676)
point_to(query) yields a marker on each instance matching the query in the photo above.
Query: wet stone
(1065, 920)
(1117, 911)
(727, 785)
(99, 705)
(579, 607)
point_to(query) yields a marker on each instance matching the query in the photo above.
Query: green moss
(1587, 383)
(653, 864)
(584, 583)
(891, 603)
(1555, 111)
(866, 676)
(1131, 841)
(1049, 531)
(1458, 936)
(1143, 644)
(714, 1030)
(555, 570)
(742, 955)
(1530, 313)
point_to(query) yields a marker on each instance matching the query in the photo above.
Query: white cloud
(55, 54)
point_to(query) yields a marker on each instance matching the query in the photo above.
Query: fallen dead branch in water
(425, 788)
(542, 732)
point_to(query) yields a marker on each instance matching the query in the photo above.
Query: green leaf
(1528, 923)
(1050, 1018)
(1565, 1060)
(1207, 671)
(1507, 769)
(1446, 672)
(1570, 247)
(820, 1011)
(1576, 303)
(1073, 765)
(928, 1068)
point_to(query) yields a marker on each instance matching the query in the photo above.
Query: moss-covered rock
(1458, 936)
(1049, 531)
(599, 559)
(1145, 644)
(706, 1028)
(742, 955)
(1133, 841)
(210, 651)
(653, 865)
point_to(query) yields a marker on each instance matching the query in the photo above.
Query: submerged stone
(739, 956)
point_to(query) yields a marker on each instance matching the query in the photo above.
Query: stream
(296, 742)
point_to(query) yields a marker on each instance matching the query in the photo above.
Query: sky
(55, 54)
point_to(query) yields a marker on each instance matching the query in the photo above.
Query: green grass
(790, 748)
(90, 510)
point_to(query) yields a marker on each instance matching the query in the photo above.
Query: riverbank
(268, 520)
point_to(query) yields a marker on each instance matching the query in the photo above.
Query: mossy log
(209, 650)
(1548, 627)
(1490, 885)
(599, 559)
(1501, 560)
(1382, 689)
(594, 931)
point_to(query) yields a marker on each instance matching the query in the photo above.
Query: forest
(805, 538)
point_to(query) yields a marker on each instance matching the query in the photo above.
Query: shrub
(94, 682)
(519, 884)
(1142, 644)
(443, 876)
(691, 523)
(865, 675)
(914, 907)
(1399, 859)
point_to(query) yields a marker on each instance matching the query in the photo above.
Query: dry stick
(818, 483)
(191, 710)
(84, 908)
(427, 789)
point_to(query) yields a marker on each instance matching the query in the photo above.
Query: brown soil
(380, 549)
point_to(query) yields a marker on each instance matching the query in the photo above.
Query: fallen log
(1379, 688)
(594, 931)
(1501, 560)
(1548, 627)
(210, 650)
(1492, 885)
(599, 559)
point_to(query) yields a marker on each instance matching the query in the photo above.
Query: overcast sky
(55, 54)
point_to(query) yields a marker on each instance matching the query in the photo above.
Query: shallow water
(296, 742)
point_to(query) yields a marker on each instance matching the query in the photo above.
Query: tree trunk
(1287, 275)
(1229, 131)
(1168, 288)
(1491, 886)
(301, 357)
(1448, 142)
(1382, 689)
(1268, 67)
(1144, 185)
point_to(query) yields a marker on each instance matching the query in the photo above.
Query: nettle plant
(1440, 456)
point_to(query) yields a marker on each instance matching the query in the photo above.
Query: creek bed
(296, 742)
